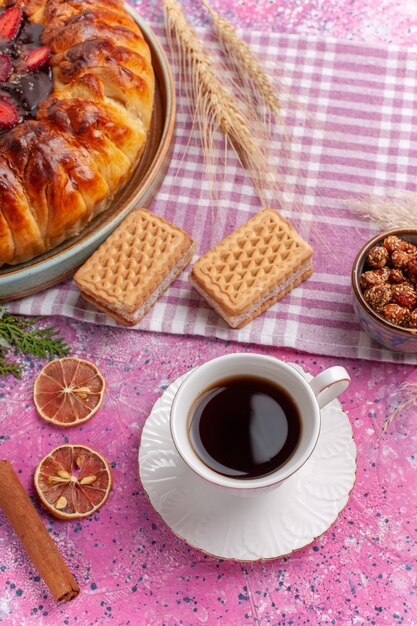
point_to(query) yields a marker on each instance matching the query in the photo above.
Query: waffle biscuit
(134, 266)
(252, 268)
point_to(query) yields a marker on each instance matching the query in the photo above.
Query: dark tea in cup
(253, 418)
(245, 427)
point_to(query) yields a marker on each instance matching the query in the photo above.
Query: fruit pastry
(76, 99)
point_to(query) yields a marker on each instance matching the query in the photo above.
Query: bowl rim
(359, 261)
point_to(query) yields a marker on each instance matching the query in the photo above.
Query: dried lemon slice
(68, 391)
(73, 481)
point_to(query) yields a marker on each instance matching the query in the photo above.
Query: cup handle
(329, 384)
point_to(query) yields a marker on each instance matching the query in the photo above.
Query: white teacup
(309, 398)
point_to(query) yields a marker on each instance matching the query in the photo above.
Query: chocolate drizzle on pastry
(24, 88)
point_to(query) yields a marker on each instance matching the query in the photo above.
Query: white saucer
(256, 527)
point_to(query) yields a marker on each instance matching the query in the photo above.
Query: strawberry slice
(36, 58)
(6, 67)
(10, 22)
(8, 114)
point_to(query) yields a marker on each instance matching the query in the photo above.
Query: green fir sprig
(25, 336)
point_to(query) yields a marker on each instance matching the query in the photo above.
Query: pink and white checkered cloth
(366, 96)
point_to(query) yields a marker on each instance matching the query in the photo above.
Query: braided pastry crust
(62, 168)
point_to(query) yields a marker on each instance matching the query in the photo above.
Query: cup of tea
(246, 422)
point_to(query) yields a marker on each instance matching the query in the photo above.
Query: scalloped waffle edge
(252, 268)
(130, 271)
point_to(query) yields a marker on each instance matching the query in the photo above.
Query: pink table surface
(130, 566)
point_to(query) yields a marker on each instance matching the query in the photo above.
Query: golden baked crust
(61, 169)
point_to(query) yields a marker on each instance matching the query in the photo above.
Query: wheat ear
(267, 99)
(244, 60)
(257, 88)
(409, 402)
(274, 94)
(214, 105)
(397, 209)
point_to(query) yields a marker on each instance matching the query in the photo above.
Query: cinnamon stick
(34, 536)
